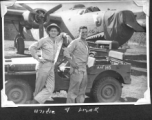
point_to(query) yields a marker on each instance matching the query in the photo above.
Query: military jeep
(105, 77)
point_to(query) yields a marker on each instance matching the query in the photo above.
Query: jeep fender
(93, 78)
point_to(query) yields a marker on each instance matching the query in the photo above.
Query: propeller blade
(53, 9)
(27, 7)
(41, 31)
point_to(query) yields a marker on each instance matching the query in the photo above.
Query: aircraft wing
(14, 15)
(14, 12)
(54, 17)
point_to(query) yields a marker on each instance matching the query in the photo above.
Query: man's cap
(54, 26)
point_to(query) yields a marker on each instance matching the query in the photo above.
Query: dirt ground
(135, 54)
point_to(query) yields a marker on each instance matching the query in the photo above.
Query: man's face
(53, 32)
(83, 33)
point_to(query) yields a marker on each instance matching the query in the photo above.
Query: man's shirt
(48, 47)
(78, 51)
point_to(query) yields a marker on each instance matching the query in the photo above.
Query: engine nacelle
(31, 20)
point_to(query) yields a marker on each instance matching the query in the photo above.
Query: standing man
(77, 54)
(45, 83)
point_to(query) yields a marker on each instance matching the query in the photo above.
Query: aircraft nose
(120, 25)
(142, 23)
(131, 21)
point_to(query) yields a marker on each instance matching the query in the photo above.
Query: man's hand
(73, 64)
(64, 35)
(41, 60)
(66, 39)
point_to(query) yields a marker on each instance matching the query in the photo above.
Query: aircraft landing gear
(19, 44)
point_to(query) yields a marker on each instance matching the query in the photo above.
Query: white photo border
(145, 100)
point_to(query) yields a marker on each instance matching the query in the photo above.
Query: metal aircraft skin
(70, 21)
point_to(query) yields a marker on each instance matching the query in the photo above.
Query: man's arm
(88, 51)
(34, 48)
(66, 38)
(68, 53)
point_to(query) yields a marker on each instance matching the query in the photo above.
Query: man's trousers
(77, 88)
(45, 82)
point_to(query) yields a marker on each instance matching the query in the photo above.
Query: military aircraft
(113, 25)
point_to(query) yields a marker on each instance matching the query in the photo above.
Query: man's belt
(83, 63)
(52, 61)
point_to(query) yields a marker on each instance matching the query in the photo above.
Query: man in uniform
(48, 45)
(77, 54)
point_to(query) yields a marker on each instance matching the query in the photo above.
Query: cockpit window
(84, 10)
(92, 9)
(89, 9)
(81, 12)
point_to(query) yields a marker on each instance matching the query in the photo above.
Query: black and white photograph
(59, 53)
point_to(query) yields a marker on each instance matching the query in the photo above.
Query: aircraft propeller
(41, 16)
(27, 7)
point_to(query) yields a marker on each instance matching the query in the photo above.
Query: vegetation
(138, 38)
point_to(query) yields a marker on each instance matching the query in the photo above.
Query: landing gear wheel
(18, 91)
(107, 89)
(19, 44)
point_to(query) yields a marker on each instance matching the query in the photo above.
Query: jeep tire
(18, 91)
(107, 89)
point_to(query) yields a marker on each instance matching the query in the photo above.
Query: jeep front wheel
(107, 89)
(18, 91)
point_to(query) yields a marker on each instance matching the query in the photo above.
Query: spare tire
(18, 91)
